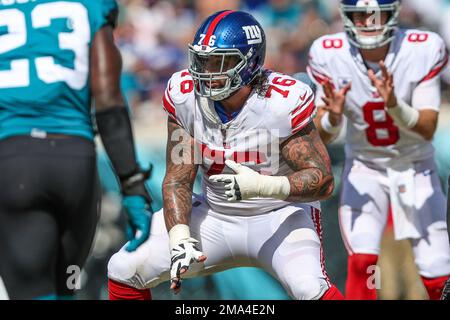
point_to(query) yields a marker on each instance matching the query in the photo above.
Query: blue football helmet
(375, 7)
(227, 53)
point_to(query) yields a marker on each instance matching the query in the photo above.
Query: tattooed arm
(180, 176)
(306, 154)
(177, 200)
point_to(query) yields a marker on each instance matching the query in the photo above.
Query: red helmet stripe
(213, 25)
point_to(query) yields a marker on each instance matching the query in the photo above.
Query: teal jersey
(44, 65)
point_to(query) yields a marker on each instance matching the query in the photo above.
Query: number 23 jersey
(44, 64)
(414, 57)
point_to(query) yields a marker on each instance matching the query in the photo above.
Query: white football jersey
(252, 138)
(414, 56)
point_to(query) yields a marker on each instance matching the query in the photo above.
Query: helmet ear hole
(349, 15)
(253, 65)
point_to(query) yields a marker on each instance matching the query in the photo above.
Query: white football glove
(183, 251)
(247, 183)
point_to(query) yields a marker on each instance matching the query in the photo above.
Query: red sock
(333, 294)
(120, 291)
(434, 286)
(356, 287)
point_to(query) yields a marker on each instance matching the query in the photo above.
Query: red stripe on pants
(120, 291)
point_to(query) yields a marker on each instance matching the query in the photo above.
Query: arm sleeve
(438, 58)
(317, 72)
(427, 95)
(316, 65)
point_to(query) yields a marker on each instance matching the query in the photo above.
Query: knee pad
(121, 267)
(309, 288)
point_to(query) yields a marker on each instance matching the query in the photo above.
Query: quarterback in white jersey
(264, 167)
(385, 81)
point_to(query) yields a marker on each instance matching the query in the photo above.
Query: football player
(264, 168)
(385, 81)
(55, 57)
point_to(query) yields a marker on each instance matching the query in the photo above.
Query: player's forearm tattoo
(179, 180)
(306, 154)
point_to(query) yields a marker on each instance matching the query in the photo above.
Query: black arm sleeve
(114, 127)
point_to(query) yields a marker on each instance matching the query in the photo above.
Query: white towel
(402, 193)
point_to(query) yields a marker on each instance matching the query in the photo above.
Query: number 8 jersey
(415, 58)
(44, 64)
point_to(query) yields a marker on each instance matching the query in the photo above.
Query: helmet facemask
(386, 31)
(216, 72)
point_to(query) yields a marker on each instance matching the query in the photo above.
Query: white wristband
(274, 187)
(327, 126)
(177, 233)
(404, 115)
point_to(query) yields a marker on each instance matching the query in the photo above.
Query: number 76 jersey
(44, 64)
(414, 57)
(253, 138)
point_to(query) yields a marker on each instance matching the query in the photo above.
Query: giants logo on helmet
(253, 34)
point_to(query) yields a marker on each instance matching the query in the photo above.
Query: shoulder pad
(291, 103)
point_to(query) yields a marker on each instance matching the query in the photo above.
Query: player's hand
(385, 86)
(183, 254)
(335, 99)
(240, 186)
(137, 203)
